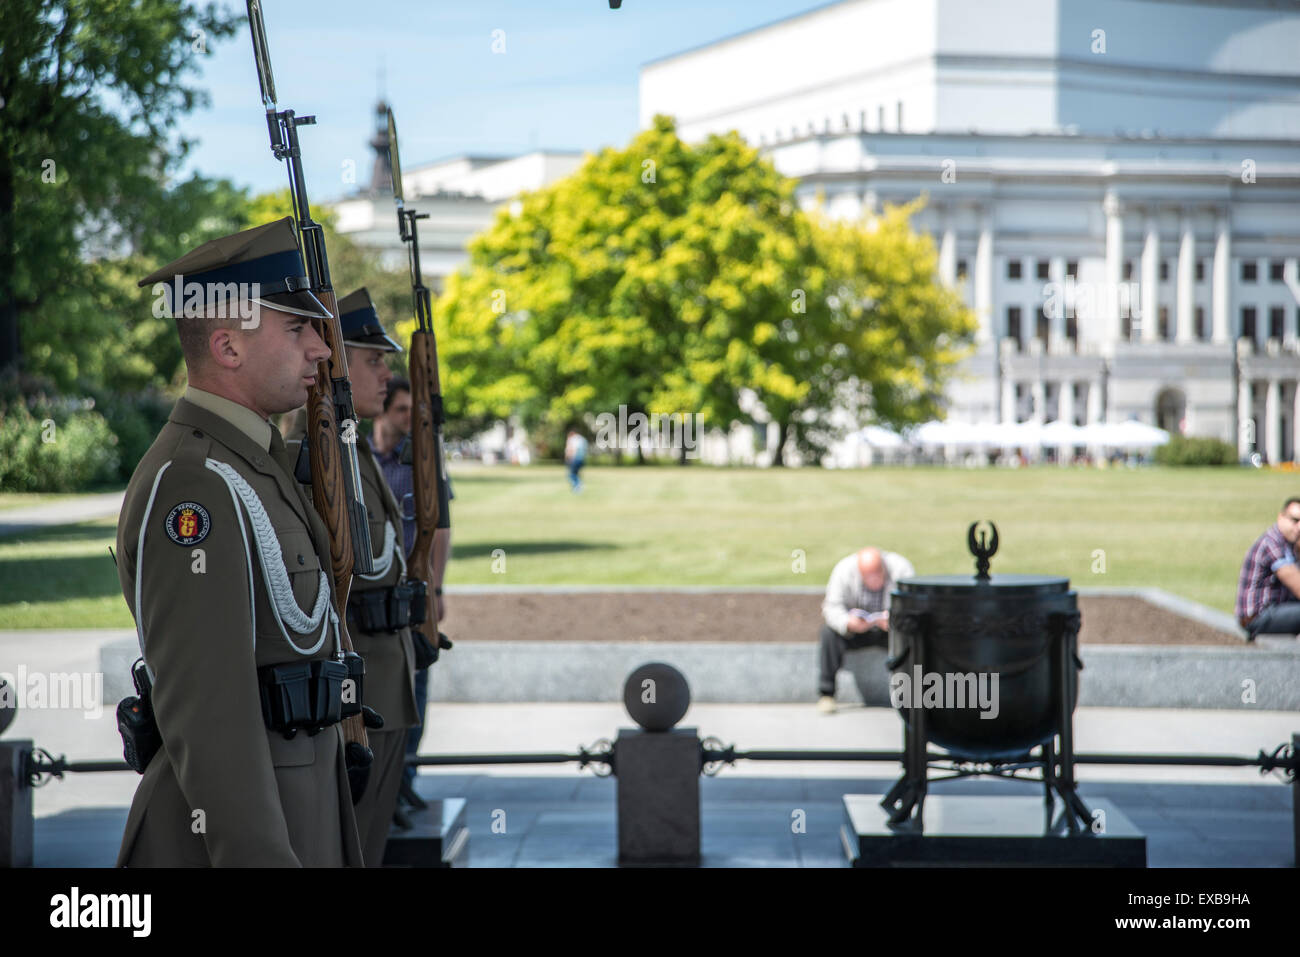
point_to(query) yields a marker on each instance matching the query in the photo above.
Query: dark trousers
(833, 646)
(374, 811)
(1283, 619)
(413, 735)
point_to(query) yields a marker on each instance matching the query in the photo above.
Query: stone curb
(1114, 675)
(1153, 676)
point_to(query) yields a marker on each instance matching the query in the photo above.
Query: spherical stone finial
(656, 695)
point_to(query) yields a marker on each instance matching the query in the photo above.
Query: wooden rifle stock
(426, 398)
(327, 486)
(425, 463)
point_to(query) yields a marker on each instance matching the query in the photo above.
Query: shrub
(136, 420)
(1183, 450)
(57, 445)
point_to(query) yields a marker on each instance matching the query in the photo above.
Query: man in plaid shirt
(1269, 587)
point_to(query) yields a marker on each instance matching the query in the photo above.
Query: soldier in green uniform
(378, 609)
(225, 566)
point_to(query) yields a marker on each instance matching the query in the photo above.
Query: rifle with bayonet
(426, 402)
(331, 420)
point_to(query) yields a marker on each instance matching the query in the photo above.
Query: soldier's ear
(226, 347)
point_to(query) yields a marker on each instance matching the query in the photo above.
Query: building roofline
(744, 33)
(487, 158)
(1042, 136)
(1282, 5)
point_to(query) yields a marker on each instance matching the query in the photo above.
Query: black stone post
(15, 805)
(1295, 802)
(658, 771)
(658, 797)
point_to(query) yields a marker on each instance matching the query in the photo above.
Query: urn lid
(982, 548)
(966, 584)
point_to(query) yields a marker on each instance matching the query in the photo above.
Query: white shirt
(845, 589)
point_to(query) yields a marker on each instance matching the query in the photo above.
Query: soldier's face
(369, 374)
(282, 361)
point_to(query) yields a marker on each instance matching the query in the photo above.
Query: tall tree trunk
(10, 352)
(778, 458)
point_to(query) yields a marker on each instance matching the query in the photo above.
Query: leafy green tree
(671, 277)
(642, 280)
(102, 332)
(881, 336)
(90, 91)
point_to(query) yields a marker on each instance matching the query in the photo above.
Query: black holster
(141, 738)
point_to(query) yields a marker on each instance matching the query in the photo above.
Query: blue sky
(567, 79)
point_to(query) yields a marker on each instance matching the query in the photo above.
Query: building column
(1094, 400)
(984, 277)
(1065, 404)
(1222, 301)
(1008, 410)
(1291, 319)
(1295, 424)
(1039, 393)
(1245, 431)
(1273, 421)
(1186, 319)
(948, 250)
(1151, 280)
(1110, 332)
(1056, 318)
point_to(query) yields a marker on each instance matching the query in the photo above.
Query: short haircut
(1289, 502)
(194, 331)
(398, 384)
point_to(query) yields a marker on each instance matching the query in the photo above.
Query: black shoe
(407, 794)
(400, 820)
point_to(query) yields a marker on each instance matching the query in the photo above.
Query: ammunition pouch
(307, 695)
(390, 608)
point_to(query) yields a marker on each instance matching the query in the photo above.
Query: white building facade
(1113, 185)
(461, 194)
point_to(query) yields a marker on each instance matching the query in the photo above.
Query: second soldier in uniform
(379, 604)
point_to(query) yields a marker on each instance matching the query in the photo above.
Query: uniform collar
(241, 417)
(189, 413)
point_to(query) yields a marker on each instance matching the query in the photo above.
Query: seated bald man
(856, 611)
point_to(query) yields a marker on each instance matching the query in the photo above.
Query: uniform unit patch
(188, 523)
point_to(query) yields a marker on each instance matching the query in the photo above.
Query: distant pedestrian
(575, 457)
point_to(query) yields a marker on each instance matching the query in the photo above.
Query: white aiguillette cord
(274, 573)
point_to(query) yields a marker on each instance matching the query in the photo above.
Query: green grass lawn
(13, 500)
(1184, 530)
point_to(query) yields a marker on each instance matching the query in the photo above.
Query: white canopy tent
(1130, 435)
